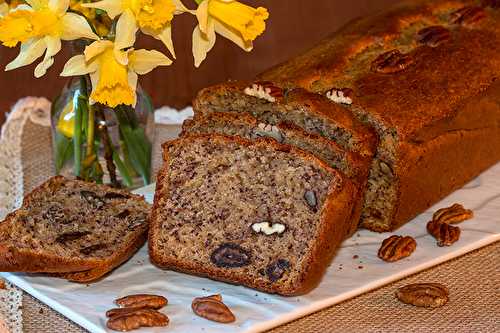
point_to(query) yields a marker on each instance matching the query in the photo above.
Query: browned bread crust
(14, 258)
(332, 226)
(425, 75)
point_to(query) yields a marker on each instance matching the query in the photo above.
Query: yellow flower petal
(132, 82)
(96, 48)
(16, 27)
(53, 47)
(75, 26)
(179, 7)
(202, 16)
(126, 29)
(112, 87)
(144, 61)
(58, 6)
(243, 19)
(164, 35)
(233, 36)
(153, 14)
(112, 7)
(30, 51)
(76, 66)
(38, 4)
(203, 43)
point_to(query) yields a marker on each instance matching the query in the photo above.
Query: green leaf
(122, 169)
(138, 146)
(64, 150)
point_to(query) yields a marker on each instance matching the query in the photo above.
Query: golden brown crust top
(434, 71)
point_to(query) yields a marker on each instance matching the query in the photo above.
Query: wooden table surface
(293, 26)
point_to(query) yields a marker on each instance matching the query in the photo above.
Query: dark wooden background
(293, 26)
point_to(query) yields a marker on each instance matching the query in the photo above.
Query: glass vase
(102, 144)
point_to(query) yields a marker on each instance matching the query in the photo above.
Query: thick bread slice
(258, 213)
(352, 164)
(68, 226)
(312, 112)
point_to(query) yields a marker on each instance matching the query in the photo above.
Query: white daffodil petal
(166, 37)
(96, 48)
(30, 51)
(53, 47)
(76, 66)
(37, 4)
(112, 7)
(203, 43)
(132, 82)
(94, 79)
(126, 29)
(202, 16)
(144, 61)
(179, 7)
(22, 7)
(236, 38)
(59, 6)
(75, 26)
(4, 9)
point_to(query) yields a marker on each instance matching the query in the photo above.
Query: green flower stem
(108, 147)
(77, 138)
(90, 131)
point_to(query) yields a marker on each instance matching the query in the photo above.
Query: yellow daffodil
(153, 17)
(231, 19)
(113, 83)
(39, 27)
(66, 122)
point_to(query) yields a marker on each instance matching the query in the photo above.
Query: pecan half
(342, 96)
(456, 213)
(444, 233)
(468, 15)
(122, 311)
(423, 294)
(391, 62)
(136, 319)
(142, 300)
(2, 284)
(396, 247)
(212, 308)
(433, 36)
(264, 90)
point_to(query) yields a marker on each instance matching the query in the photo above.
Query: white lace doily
(37, 110)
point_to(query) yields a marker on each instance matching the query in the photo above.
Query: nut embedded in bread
(73, 229)
(246, 185)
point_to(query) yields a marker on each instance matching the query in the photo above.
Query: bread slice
(352, 164)
(258, 213)
(70, 226)
(313, 113)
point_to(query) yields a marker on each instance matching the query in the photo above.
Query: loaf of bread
(251, 212)
(246, 126)
(73, 229)
(424, 75)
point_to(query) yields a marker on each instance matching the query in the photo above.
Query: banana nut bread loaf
(424, 75)
(244, 125)
(270, 218)
(73, 229)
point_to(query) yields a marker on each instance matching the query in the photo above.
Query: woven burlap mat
(473, 279)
